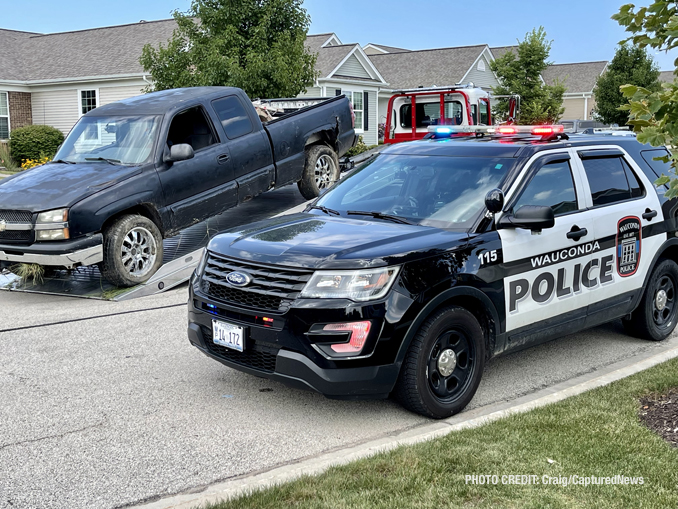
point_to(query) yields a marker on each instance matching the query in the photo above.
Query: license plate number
(228, 335)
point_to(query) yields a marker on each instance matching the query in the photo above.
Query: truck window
(484, 112)
(233, 117)
(429, 114)
(191, 126)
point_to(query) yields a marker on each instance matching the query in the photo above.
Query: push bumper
(69, 254)
(295, 370)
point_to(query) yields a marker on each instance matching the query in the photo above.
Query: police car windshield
(442, 192)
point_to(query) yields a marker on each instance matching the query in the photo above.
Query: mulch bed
(660, 414)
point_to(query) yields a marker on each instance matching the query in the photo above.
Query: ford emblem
(239, 279)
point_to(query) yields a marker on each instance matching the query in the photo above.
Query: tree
(630, 65)
(519, 73)
(654, 115)
(256, 45)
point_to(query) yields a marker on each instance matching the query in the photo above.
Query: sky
(581, 30)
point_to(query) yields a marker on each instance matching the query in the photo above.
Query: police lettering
(564, 254)
(546, 284)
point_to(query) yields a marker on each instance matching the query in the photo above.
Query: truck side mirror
(494, 200)
(179, 152)
(530, 217)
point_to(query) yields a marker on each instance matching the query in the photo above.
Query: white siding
(113, 94)
(312, 92)
(484, 79)
(58, 108)
(352, 67)
(370, 137)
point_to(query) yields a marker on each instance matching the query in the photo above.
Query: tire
(132, 251)
(655, 316)
(321, 171)
(424, 385)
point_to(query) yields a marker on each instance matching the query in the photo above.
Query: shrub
(34, 141)
(359, 148)
(6, 160)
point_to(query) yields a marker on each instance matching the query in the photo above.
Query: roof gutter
(55, 81)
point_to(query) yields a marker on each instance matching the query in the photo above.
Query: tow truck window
(443, 192)
(553, 187)
(429, 114)
(611, 181)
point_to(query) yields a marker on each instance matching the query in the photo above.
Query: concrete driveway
(106, 404)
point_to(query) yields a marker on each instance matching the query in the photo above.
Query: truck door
(248, 144)
(626, 208)
(548, 275)
(203, 186)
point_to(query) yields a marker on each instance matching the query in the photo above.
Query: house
(579, 80)
(667, 76)
(54, 79)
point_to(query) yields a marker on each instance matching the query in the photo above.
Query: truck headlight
(357, 285)
(52, 225)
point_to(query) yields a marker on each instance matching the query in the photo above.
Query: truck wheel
(443, 365)
(132, 251)
(321, 171)
(655, 316)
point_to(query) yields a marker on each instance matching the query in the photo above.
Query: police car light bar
(506, 130)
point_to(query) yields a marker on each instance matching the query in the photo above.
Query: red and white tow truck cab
(412, 112)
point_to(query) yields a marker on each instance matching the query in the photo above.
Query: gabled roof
(500, 51)
(107, 51)
(577, 78)
(331, 57)
(10, 58)
(385, 49)
(426, 68)
(667, 76)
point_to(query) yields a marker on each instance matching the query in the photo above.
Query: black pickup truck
(136, 171)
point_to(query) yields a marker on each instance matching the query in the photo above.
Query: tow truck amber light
(359, 332)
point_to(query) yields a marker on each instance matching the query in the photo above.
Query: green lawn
(595, 434)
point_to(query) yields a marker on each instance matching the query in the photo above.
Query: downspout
(143, 77)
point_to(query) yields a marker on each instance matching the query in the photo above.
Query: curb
(247, 483)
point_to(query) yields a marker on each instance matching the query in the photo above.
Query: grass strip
(597, 433)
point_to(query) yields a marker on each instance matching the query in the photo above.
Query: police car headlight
(357, 285)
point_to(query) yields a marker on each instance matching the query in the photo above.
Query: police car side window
(552, 186)
(611, 181)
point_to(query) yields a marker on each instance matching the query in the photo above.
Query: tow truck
(412, 112)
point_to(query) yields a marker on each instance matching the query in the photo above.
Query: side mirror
(530, 217)
(180, 152)
(494, 200)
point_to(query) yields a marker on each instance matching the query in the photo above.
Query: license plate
(228, 335)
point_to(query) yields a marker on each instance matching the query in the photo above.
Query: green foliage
(6, 159)
(256, 45)
(32, 141)
(359, 148)
(654, 113)
(630, 65)
(520, 74)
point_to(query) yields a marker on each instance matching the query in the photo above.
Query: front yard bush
(34, 141)
(6, 160)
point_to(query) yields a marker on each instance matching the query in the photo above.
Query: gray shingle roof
(329, 57)
(667, 76)
(577, 78)
(500, 51)
(439, 67)
(107, 51)
(389, 49)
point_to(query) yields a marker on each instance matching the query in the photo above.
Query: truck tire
(443, 365)
(132, 251)
(321, 171)
(655, 316)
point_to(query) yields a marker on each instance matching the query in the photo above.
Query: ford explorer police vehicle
(437, 255)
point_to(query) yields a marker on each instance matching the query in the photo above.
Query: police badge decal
(628, 245)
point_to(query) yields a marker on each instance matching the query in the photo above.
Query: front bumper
(69, 254)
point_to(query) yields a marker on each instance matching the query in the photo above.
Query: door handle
(577, 233)
(649, 214)
(223, 158)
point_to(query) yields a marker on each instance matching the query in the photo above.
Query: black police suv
(436, 255)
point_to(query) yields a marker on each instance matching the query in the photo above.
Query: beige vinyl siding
(484, 79)
(574, 109)
(58, 108)
(370, 137)
(112, 94)
(352, 67)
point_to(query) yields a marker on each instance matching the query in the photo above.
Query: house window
(356, 99)
(4, 116)
(88, 101)
(481, 65)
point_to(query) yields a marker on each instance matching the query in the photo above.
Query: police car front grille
(257, 356)
(271, 289)
(16, 216)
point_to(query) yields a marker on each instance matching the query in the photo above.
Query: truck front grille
(17, 236)
(271, 289)
(16, 216)
(257, 356)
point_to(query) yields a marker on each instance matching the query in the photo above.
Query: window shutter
(366, 115)
(337, 91)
